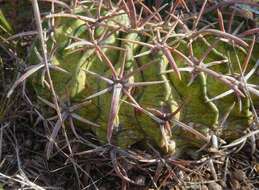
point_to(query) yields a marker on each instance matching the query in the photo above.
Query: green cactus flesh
(130, 124)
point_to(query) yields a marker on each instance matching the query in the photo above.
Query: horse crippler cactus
(135, 75)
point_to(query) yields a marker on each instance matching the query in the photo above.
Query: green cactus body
(124, 122)
(196, 111)
(238, 120)
(128, 125)
(63, 59)
(74, 86)
(131, 125)
(204, 87)
(158, 97)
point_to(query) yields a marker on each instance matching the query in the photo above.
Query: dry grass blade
(79, 118)
(79, 105)
(99, 93)
(54, 134)
(117, 90)
(36, 11)
(49, 147)
(90, 144)
(22, 34)
(80, 44)
(109, 81)
(47, 102)
(71, 157)
(57, 68)
(118, 170)
(212, 169)
(83, 18)
(25, 183)
(191, 130)
(241, 139)
(28, 73)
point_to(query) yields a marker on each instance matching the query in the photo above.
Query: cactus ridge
(132, 75)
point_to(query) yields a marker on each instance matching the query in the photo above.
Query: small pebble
(214, 186)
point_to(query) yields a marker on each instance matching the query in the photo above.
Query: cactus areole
(132, 78)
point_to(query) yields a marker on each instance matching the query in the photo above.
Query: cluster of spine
(135, 73)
